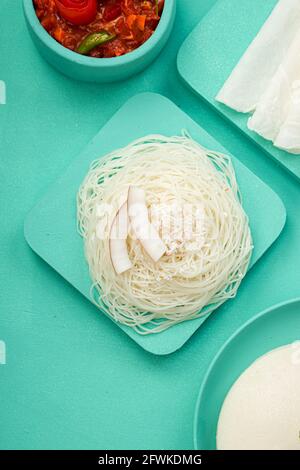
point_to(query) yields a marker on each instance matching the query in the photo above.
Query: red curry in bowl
(100, 28)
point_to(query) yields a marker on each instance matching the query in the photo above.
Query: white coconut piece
(262, 409)
(252, 75)
(117, 241)
(141, 225)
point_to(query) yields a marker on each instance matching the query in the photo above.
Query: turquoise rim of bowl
(128, 58)
(220, 352)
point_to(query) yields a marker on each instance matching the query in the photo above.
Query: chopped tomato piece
(112, 12)
(130, 20)
(140, 22)
(48, 22)
(59, 34)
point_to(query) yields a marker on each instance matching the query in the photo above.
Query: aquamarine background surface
(71, 382)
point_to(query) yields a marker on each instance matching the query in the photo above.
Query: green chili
(93, 40)
(156, 7)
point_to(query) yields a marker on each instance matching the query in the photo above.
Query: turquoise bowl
(92, 69)
(277, 326)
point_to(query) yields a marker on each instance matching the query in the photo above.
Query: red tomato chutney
(100, 28)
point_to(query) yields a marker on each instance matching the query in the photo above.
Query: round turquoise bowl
(277, 326)
(91, 69)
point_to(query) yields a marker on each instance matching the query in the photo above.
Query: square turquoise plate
(50, 227)
(211, 51)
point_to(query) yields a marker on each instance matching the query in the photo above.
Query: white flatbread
(289, 135)
(262, 409)
(255, 70)
(279, 100)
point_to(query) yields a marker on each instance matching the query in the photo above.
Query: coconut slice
(141, 225)
(117, 241)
